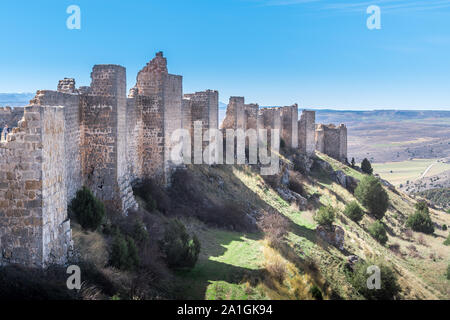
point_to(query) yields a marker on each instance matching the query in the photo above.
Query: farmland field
(400, 172)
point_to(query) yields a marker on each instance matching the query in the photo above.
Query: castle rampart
(34, 226)
(98, 137)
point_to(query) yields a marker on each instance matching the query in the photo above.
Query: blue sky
(318, 53)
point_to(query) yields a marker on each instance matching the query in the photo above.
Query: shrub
(444, 227)
(422, 206)
(389, 286)
(154, 196)
(354, 211)
(366, 167)
(325, 216)
(316, 293)
(88, 210)
(124, 253)
(420, 221)
(378, 232)
(448, 272)
(277, 269)
(447, 241)
(275, 227)
(180, 249)
(372, 195)
(140, 233)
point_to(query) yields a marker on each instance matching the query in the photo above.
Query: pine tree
(366, 167)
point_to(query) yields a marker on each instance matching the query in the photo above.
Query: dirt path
(426, 170)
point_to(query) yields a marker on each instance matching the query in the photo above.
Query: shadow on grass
(194, 283)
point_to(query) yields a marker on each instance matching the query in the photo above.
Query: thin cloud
(346, 6)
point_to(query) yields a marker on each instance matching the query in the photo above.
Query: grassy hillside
(283, 258)
(234, 265)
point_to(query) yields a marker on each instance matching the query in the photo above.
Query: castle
(106, 140)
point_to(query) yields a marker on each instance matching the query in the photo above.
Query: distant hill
(15, 99)
(350, 117)
(438, 196)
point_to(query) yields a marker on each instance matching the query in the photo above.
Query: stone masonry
(34, 226)
(99, 137)
(332, 140)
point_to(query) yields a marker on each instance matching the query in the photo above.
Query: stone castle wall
(72, 138)
(332, 140)
(98, 137)
(201, 106)
(34, 226)
(306, 132)
(289, 124)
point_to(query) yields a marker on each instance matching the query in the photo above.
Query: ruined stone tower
(332, 140)
(104, 139)
(157, 104)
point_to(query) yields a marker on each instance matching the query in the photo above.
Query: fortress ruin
(106, 140)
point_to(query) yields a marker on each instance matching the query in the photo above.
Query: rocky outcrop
(348, 182)
(291, 197)
(334, 235)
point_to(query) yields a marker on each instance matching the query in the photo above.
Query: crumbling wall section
(159, 98)
(235, 117)
(10, 116)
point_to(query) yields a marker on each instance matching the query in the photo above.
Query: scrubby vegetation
(88, 210)
(389, 287)
(316, 293)
(447, 241)
(325, 216)
(275, 226)
(181, 250)
(437, 196)
(372, 195)
(354, 211)
(378, 232)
